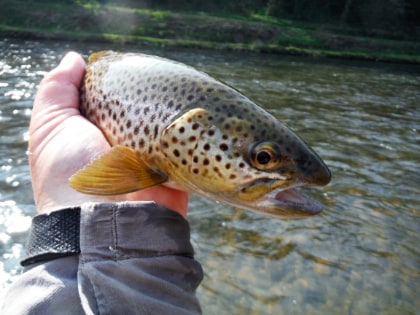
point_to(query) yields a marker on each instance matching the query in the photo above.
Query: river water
(360, 256)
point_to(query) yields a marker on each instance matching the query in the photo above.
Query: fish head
(245, 157)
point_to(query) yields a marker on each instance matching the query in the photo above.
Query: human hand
(62, 142)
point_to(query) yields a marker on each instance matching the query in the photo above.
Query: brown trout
(171, 124)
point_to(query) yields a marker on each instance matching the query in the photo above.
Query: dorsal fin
(98, 55)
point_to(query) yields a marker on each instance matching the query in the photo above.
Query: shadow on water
(360, 256)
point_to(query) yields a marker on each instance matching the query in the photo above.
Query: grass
(258, 33)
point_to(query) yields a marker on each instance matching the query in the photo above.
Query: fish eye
(264, 156)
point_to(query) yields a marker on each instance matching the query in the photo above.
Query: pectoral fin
(187, 130)
(118, 171)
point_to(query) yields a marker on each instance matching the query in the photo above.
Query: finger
(174, 199)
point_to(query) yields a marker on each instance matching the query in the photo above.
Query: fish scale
(169, 123)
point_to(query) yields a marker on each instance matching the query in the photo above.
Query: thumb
(57, 97)
(60, 87)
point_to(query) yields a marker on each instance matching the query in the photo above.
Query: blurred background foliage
(370, 15)
(387, 30)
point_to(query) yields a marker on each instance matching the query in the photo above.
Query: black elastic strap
(53, 235)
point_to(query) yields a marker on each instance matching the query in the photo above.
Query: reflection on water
(360, 256)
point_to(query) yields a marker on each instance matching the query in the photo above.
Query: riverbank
(125, 26)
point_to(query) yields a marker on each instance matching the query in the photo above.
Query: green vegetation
(261, 26)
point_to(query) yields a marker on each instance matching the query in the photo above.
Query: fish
(169, 123)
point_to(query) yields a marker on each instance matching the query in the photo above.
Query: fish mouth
(294, 203)
(285, 201)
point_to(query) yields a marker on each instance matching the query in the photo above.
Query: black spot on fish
(206, 147)
(155, 132)
(146, 110)
(128, 124)
(146, 130)
(141, 143)
(170, 104)
(223, 147)
(136, 130)
(176, 153)
(190, 97)
(164, 118)
(181, 129)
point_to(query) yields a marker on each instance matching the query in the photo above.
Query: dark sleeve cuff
(53, 235)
